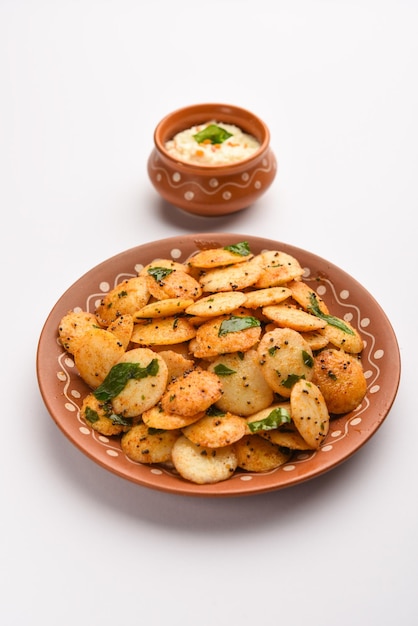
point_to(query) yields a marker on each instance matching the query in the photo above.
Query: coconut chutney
(212, 143)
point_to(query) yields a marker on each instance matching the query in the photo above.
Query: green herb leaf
(119, 375)
(91, 416)
(291, 380)
(212, 133)
(236, 323)
(330, 319)
(223, 370)
(119, 420)
(159, 273)
(307, 359)
(243, 249)
(213, 411)
(155, 431)
(276, 418)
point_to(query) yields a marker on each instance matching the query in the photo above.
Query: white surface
(83, 84)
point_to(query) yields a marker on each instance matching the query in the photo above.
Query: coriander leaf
(330, 319)
(213, 134)
(223, 370)
(159, 273)
(243, 249)
(236, 323)
(119, 375)
(273, 420)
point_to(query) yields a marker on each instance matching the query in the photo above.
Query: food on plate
(229, 362)
(340, 377)
(212, 143)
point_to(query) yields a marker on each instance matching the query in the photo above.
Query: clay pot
(211, 190)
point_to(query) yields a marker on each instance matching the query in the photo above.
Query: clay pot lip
(188, 116)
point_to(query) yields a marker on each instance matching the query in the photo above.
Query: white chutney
(239, 146)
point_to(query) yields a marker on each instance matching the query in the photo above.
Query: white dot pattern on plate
(289, 467)
(66, 373)
(175, 253)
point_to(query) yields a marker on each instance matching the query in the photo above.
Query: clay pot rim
(188, 116)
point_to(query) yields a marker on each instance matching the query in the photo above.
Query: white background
(83, 84)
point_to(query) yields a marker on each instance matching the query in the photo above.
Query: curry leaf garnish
(330, 319)
(155, 431)
(291, 380)
(159, 273)
(213, 411)
(119, 420)
(223, 370)
(212, 134)
(119, 375)
(307, 359)
(236, 323)
(242, 248)
(276, 418)
(91, 415)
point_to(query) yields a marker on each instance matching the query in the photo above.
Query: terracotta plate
(62, 389)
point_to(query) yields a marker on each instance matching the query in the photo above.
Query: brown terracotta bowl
(211, 190)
